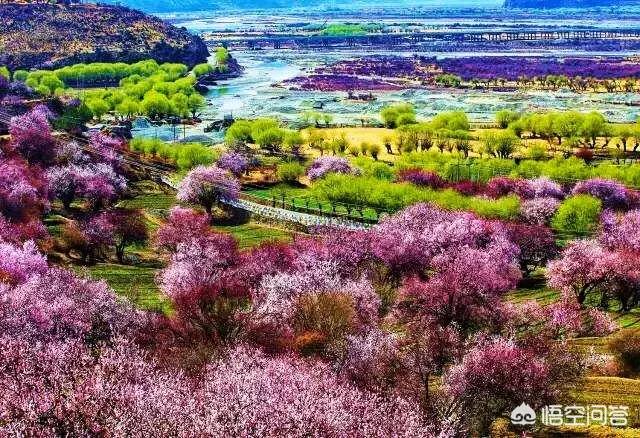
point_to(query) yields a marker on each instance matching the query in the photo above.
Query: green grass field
(611, 391)
(303, 199)
(253, 234)
(544, 295)
(152, 202)
(594, 390)
(136, 283)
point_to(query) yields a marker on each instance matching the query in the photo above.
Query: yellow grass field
(359, 135)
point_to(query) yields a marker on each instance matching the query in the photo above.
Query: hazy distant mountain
(208, 5)
(164, 6)
(549, 4)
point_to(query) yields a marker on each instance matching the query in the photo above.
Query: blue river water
(257, 92)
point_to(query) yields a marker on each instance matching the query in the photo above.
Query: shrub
(184, 155)
(612, 194)
(325, 165)
(202, 69)
(4, 86)
(373, 168)
(20, 75)
(578, 214)
(538, 211)
(585, 154)
(505, 117)
(421, 178)
(239, 132)
(290, 172)
(540, 188)
(536, 152)
(467, 188)
(270, 138)
(234, 162)
(4, 72)
(398, 114)
(625, 345)
(501, 186)
(388, 196)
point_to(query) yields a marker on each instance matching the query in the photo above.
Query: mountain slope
(43, 35)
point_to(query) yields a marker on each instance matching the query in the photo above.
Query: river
(257, 94)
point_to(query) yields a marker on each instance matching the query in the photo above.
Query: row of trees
(571, 127)
(95, 74)
(265, 133)
(184, 156)
(155, 97)
(145, 88)
(450, 131)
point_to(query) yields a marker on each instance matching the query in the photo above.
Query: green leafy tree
(506, 117)
(180, 105)
(374, 150)
(593, 126)
(195, 103)
(51, 82)
(392, 113)
(155, 104)
(222, 56)
(270, 139)
(98, 107)
(202, 69)
(577, 215)
(567, 125)
(290, 172)
(20, 75)
(448, 80)
(453, 121)
(128, 108)
(501, 144)
(339, 144)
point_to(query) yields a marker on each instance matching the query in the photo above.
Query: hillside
(550, 4)
(41, 35)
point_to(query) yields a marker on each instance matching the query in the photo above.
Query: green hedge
(578, 215)
(184, 155)
(388, 196)
(452, 167)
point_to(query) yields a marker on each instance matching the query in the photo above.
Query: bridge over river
(279, 41)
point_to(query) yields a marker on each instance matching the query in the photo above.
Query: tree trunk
(120, 252)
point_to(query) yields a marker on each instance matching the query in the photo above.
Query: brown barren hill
(36, 35)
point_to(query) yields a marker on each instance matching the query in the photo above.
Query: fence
(314, 206)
